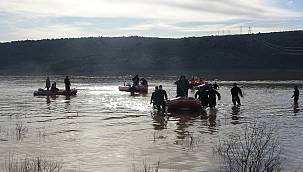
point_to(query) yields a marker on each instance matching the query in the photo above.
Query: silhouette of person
(235, 91)
(161, 104)
(143, 81)
(182, 87)
(54, 87)
(215, 86)
(296, 94)
(203, 96)
(67, 83)
(47, 84)
(212, 93)
(136, 80)
(153, 98)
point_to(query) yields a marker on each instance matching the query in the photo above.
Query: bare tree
(254, 149)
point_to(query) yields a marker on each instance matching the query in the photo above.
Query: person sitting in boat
(54, 87)
(153, 98)
(47, 84)
(212, 93)
(182, 87)
(143, 82)
(67, 83)
(203, 96)
(161, 104)
(136, 80)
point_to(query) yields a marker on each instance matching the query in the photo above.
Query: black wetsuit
(154, 97)
(158, 98)
(203, 97)
(212, 97)
(47, 84)
(182, 87)
(144, 82)
(53, 88)
(296, 96)
(136, 80)
(235, 91)
(215, 86)
(67, 84)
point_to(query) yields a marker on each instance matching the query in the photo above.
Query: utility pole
(249, 30)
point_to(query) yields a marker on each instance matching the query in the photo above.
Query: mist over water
(102, 129)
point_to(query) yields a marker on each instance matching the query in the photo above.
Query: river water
(102, 129)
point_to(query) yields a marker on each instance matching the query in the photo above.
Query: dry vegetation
(255, 149)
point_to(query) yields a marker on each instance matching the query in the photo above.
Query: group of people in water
(207, 93)
(136, 80)
(159, 98)
(53, 87)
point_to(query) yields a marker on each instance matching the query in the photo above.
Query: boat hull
(183, 104)
(138, 89)
(72, 92)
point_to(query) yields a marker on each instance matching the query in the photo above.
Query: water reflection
(159, 120)
(67, 103)
(209, 119)
(48, 101)
(212, 118)
(235, 114)
(183, 119)
(296, 108)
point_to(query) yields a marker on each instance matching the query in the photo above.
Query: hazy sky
(41, 19)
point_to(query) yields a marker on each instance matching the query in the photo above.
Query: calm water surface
(102, 129)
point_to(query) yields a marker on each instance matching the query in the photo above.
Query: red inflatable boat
(183, 103)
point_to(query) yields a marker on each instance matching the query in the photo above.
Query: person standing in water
(203, 96)
(212, 93)
(182, 87)
(154, 96)
(296, 94)
(47, 84)
(67, 83)
(161, 105)
(235, 91)
(136, 80)
(215, 86)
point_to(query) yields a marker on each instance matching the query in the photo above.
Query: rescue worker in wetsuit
(296, 94)
(215, 86)
(143, 81)
(136, 80)
(67, 83)
(203, 96)
(162, 96)
(235, 91)
(153, 98)
(212, 93)
(54, 87)
(182, 87)
(47, 84)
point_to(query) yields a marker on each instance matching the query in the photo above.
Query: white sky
(40, 19)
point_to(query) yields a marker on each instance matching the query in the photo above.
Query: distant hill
(257, 56)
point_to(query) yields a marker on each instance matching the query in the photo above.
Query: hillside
(257, 56)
